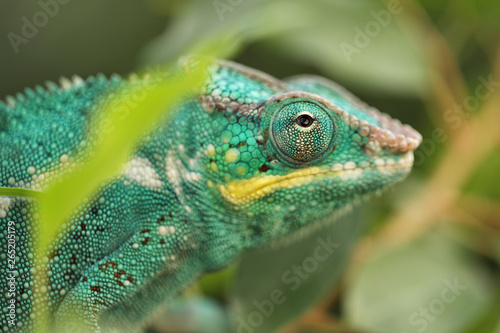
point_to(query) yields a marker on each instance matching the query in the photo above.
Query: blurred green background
(423, 257)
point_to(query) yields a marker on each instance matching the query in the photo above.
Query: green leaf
(216, 284)
(490, 320)
(111, 146)
(274, 286)
(429, 285)
(19, 192)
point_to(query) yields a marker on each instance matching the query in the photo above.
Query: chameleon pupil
(304, 120)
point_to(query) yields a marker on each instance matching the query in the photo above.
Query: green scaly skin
(248, 161)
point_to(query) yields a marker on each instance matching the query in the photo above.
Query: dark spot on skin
(96, 289)
(53, 254)
(265, 136)
(129, 278)
(146, 241)
(260, 140)
(84, 279)
(119, 274)
(264, 167)
(145, 230)
(162, 241)
(169, 215)
(94, 210)
(104, 267)
(241, 144)
(83, 226)
(119, 283)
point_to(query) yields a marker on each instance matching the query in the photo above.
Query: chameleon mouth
(246, 190)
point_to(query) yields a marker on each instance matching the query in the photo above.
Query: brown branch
(447, 84)
(318, 320)
(486, 212)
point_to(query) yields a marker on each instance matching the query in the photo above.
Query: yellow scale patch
(244, 190)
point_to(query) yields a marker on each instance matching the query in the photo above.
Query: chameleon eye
(302, 132)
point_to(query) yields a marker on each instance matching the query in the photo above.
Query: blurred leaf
(430, 285)
(319, 32)
(497, 249)
(481, 10)
(19, 192)
(352, 45)
(274, 286)
(112, 147)
(110, 150)
(216, 284)
(490, 320)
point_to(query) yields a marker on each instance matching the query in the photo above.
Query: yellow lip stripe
(242, 191)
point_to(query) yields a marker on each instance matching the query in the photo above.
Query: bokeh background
(424, 256)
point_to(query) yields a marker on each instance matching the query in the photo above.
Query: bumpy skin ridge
(247, 161)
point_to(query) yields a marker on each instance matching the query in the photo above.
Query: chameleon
(244, 161)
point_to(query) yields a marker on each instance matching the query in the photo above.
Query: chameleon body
(246, 161)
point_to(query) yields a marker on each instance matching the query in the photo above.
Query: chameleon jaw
(245, 190)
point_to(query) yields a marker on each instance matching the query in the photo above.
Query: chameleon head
(316, 148)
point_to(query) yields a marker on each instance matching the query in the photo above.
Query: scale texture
(246, 161)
